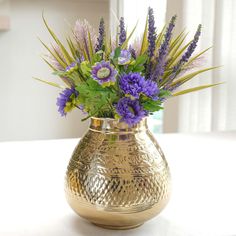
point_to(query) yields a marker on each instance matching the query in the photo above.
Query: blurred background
(28, 108)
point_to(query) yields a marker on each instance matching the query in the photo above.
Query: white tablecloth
(203, 201)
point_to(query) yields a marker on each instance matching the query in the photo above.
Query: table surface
(203, 201)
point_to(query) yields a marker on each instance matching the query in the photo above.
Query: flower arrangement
(117, 78)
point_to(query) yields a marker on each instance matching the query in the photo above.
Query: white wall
(27, 107)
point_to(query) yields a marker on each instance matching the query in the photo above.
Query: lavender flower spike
(163, 51)
(151, 33)
(151, 41)
(101, 36)
(190, 50)
(184, 58)
(122, 34)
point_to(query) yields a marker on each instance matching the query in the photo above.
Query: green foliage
(190, 90)
(50, 83)
(95, 97)
(151, 105)
(164, 93)
(138, 64)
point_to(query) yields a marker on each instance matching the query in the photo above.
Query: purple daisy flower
(104, 73)
(66, 100)
(134, 84)
(124, 57)
(131, 111)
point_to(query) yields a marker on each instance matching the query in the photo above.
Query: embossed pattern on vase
(117, 176)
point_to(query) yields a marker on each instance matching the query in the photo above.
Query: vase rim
(101, 124)
(108, 118)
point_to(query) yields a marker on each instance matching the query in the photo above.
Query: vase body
(117, 176)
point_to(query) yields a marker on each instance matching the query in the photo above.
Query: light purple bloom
(65, 101)
(103, 72)
(124, 57)
(137, 44)
(134, 84)
(81, 30)
(122, 33)
(131, 111)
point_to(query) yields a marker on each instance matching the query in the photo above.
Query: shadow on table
(156, 227)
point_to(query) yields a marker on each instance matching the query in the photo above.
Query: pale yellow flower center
(103, 73)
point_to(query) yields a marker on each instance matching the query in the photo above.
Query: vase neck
(114, 125)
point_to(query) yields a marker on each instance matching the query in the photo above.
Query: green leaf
(50, 83)
(188, 77)
(164, 93)
(124, 45)
(68, 58)
(190, 90)
(177, 53)
(117, 53)
(144, 46)
(151, 105)
(177, 39)
(95, 98)
(159, 38)
(140, 60)
(60, 61)
(137, 65)
(49, 64)
(138, 69)
(72, 48)
(85, 68)
(90, 45)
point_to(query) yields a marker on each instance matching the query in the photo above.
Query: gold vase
(117, 177)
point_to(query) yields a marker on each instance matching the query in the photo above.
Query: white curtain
(211, 109)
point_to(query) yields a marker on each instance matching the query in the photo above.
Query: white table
(203, 201)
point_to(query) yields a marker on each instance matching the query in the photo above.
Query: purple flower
(124, 58)
(189, 50)
(134, 84)
(122, 34)
(151, 33)
(185, 57)
(73, 66)
(132, 52)
(151, 89)
(130, 111)
(104, 73)
(163, 51)
(66, 100)
(101, 36)
(151, 41)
